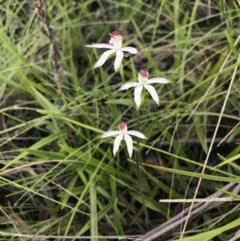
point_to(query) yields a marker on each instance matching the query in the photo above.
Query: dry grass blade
(200, 200)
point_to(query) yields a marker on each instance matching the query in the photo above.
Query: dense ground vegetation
(59, 180)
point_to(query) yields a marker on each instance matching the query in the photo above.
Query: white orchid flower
(123, 133)
(144, 82)
(115, 46)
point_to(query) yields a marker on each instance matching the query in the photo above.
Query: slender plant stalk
(49, 31)
(137, 158)
(137, 154)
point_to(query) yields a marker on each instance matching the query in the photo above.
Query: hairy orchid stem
(137, 153)
(137, 158)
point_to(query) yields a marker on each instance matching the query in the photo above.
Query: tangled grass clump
(59, 180)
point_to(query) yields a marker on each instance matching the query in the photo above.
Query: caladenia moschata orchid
(144, 82)
(123, 133)
(114, 46)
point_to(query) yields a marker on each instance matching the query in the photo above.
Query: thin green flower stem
(137, 153)
(137, 158)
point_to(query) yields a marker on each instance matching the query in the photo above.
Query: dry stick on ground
(197, 210)
(236, 236)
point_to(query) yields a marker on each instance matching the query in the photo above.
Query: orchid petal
(128, 85)
(152, 92)
(129, 143)
(104, 58)
(118, 60)
(137, 134)
(158, 80)
(100, 46)
(117, 142)
(137, 95)
(130, 50)
(110, 133)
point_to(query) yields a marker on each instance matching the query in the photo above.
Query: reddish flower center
(116, 39)
(143, 73)
(115, 33)
(143, 76)
(122, 127)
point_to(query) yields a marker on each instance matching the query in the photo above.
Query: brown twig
(177, 221)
